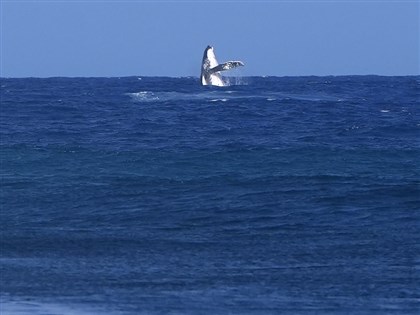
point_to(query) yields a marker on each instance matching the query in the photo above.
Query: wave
(223, 95)
(16, 306)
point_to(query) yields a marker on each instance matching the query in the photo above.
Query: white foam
(22, 307)
(144, 96)
(148, 96)
(217, 95)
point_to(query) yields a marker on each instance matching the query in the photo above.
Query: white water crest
(25, 306)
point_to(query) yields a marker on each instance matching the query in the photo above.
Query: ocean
(155, 195)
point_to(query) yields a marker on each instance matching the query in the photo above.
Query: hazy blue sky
(167, 38)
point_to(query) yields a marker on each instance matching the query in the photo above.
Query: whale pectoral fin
(226, 66)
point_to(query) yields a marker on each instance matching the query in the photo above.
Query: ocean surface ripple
(146, 195)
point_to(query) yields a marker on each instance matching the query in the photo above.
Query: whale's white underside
(210, 68)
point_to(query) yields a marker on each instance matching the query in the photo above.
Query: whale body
(210, 68)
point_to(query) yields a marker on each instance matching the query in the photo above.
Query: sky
(96, 38)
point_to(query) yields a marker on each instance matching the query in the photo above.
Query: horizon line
(197, 77)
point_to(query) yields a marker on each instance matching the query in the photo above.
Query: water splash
(235, 78)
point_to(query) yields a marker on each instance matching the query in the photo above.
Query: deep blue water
(280, 195)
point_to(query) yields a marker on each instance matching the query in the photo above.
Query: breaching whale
(210, 68)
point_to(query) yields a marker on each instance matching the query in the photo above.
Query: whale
(210, 68)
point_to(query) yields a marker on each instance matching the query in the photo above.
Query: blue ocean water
(274, 195)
